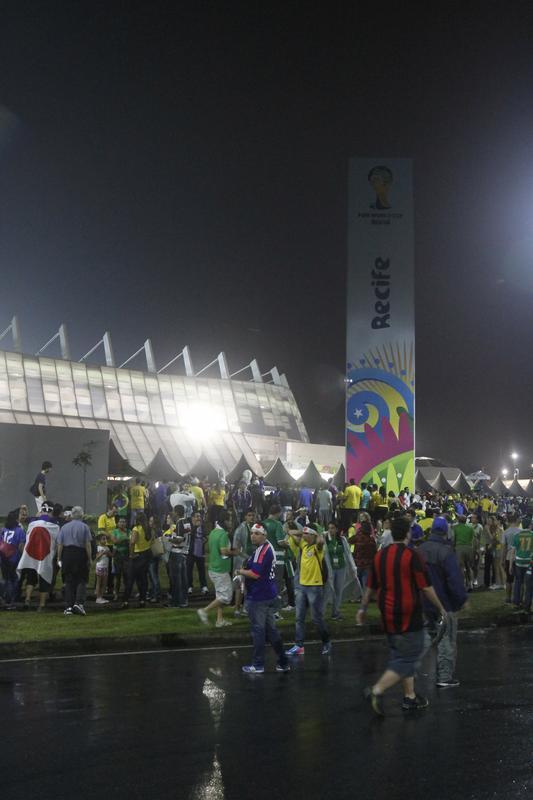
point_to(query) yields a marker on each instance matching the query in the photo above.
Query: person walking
(463, 538)
(447, 579)
(398, 576)
(261, 592)
(74, 554)
(219, 570)
(309, 552)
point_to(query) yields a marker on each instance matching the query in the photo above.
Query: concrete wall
(23, 448)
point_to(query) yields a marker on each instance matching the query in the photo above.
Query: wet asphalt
(190, 726)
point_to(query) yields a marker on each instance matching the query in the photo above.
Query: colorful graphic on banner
(380, 375)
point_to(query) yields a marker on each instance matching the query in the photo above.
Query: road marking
(174, 650)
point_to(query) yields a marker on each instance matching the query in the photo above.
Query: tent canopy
(277, 475)
(499, 487)
(311, 478)
(118, 466)
(204, 469)
(421, 484)
(440, 484)
(235, 474)
(339, 479)
(461, 485)
(516, 489)
(160, 469)
(482, 487)
(529, 489)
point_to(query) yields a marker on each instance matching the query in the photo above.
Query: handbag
(157, 547)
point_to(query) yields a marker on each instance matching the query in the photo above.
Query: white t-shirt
(102, 565)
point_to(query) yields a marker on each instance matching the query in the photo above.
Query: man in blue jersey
(261, 596)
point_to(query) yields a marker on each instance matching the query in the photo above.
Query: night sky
(179, 171)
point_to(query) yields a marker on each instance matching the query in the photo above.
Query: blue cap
(440, 525)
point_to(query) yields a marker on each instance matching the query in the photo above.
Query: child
(102, 567)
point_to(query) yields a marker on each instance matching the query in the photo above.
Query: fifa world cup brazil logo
(380, 178)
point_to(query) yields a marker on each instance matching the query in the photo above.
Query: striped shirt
(397, 575)
(262, 563)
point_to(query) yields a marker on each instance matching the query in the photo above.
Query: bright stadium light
(201, 420)
(504, 472)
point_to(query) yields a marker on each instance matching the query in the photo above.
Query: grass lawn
(15, 627)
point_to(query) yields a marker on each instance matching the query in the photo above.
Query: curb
(178, 641)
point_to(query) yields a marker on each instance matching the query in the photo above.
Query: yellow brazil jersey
(137, 497)
(108, 525)
(199, 496)
(217, 497)
(310, 561)
(352, 496)
(425, 523)
(141, 542)
(486, 504)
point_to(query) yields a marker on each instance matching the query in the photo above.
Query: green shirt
(523, 544)
(463, 535)
(336, 553)
(121, 542)
(275, 534)
(218, 538)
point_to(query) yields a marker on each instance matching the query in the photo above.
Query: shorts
(101, 571)
(405, 652)
(32, 578)
(223, 586)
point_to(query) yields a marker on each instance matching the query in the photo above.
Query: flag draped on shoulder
(40, 549)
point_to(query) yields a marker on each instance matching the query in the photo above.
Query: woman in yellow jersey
(141, 539)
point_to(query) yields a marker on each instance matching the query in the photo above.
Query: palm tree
(84, 459)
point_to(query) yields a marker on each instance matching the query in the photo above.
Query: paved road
(190, 726)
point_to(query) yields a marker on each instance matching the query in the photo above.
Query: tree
(84, 459)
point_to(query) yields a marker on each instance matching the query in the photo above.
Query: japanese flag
(40, 549)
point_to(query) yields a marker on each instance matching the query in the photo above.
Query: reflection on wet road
(190, 726)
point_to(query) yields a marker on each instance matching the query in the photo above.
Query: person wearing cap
(447, 580)
(309, 552)
(261, 592)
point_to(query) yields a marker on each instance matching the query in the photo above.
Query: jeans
(312, 596)
(335, 593)
(153, 574)
(138, 573)
(324, 516)
(447, 649)
(200, 566)
(522, 579)
(177, 568)
(121, 564)
(9, 574)
(261, 616)
(488, 571)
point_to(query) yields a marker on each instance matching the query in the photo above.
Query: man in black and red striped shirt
(398, 576)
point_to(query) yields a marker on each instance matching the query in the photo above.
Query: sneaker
(283, 668)
(337, 618)
(203, 616)
(68, 612)
(223, 624)
(125, 604)
(77, 608)
(277, 616)
(189, 590)
(415, 703)
(288, 608)
(249, 669)
(204, 590)
(237, 613)
(327, 649)
(451, 684)
(375, 700)
(101, 601)
(295, 650)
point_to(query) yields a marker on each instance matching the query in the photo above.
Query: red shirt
(398, 574)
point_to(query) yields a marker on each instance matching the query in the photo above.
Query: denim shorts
(405, 651)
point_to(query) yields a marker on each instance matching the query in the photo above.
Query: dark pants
(138, 573)
(177, 568)
(75, 574)
(522, 587)
(488, 576)
(200, 566)
(289, 583)
(121, 571)
(9, 574)
(261, 616)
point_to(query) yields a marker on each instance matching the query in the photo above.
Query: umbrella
(277, 475)
(118, 466)
(499, 487)
(516, 489)
(311, 478)
(461, 485)
(235, 474)
(440, 484)
(203, 468)
(339, 479)
(421, 484)
(160, 469)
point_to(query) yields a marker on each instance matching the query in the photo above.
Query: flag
(40, 549)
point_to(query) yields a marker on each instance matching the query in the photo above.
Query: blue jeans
(261, 616)
(521, 578)
(335, 593)
(177, 570)
(312, 596)
(153, 574)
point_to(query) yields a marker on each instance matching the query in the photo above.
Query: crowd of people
(308, 550)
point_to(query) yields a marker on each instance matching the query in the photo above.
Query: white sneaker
(223, 624)
(101, 601)
(77, 608)
(189, 590)
(203, 616)
(288, 608)
(204, 590)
